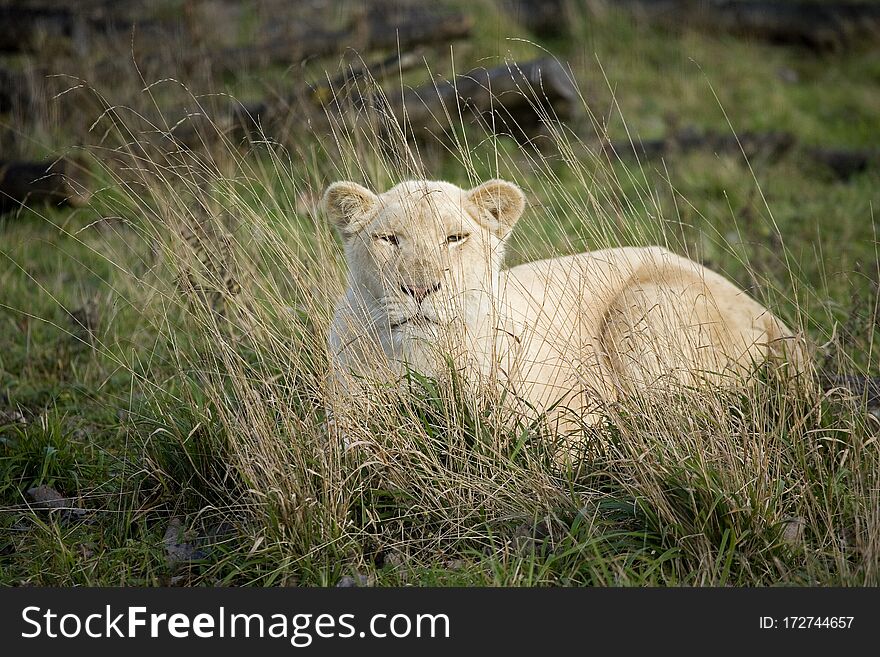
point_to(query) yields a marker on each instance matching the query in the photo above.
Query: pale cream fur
(426, 284)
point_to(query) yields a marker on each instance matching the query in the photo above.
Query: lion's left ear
(500, 203)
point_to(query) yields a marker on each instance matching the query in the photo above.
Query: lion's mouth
(417, 320)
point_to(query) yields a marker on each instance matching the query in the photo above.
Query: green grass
(180, 406)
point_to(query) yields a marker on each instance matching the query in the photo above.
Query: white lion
(426, 287)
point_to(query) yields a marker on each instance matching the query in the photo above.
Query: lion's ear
(500, 203)
(348, 206)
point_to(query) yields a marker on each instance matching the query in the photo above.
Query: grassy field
(162, 350)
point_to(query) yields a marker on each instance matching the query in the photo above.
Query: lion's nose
(421, 291)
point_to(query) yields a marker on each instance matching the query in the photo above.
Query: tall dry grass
(234, 276)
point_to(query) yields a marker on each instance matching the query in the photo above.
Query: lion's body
(601, 324)
(573, 332)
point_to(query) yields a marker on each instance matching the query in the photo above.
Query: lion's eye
(390, 238)
(457, 238)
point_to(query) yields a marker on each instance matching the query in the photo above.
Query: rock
(180, 545)
(351, 582)
(12, 417)
(788, 75)
(793, 530)
(47, 498)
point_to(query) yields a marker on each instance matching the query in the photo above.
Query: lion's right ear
(348, 206)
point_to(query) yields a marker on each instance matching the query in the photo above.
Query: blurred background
(799, 74)
(683, 87)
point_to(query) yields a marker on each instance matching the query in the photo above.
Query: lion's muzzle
(419, 292)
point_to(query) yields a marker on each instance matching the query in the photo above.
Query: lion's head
(419, 250)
